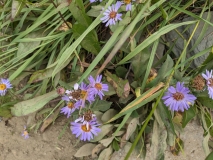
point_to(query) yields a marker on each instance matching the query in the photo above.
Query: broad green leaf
(187, 116)
(210, 156)
(25, 48)
(85, 150)
(106, 141)
(115, 145)
(108, 115)
(121, 71)
(5, 112)
(139, 63)
(131, 127)
(105, 129)
(206, 101)
(17, 6)
(165, 117)
(29, 106)
(40, 75)
(106, 154)
(158, 141)
(101, 105)
(78, 11)
(90, 42)
(121, 86)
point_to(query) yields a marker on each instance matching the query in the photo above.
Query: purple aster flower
(97, 87)
(70, 107)
(128, 4)
(87, 118)
(25, 134)
(111, 15)
(85, 133)
(179, 98)
(74, 94)
(4, 85)
(91, 1)
(85, 94)
(209, 82)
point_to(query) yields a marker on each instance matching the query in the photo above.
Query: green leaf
(210, 156)
(158, 141)
(78, 11)
(40, 75)
(163, 72)
(85, 150)
(165, 117)
(115, 145)
(108, 115)
(187, 116)
(16, 8)
(206, 101)
(139, 63)
(121, 71)
(5, 112)
(90, 42)
(101, 105)
(29, 106)
(121, 86)
(106, 154)
(105, 129)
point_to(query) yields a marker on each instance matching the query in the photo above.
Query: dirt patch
(47, 146)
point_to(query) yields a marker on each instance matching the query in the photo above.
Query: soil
(47, 146)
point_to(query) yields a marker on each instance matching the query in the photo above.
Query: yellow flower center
(127, 1)
(70, 105)
(25, 133)
(98, 86)
(2, 87)
(178, 96)
(83, 94)
(112, 14)
(84, 128)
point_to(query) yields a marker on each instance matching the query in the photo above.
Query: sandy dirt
(47, 146)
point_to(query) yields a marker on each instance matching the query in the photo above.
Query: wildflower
(198, 83)
(91, 1)
(128, 4)
(87, 118)
(85, 133)
(179, 98)
(85, 94)
(97, 87)
(4, 85)
(25, 133)
(74, 94)
(70, 107)
(209, 82)
(111, 15)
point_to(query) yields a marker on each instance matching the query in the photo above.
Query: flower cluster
(111, 15)
(4, 86)
(86, 125)
(179, 98)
